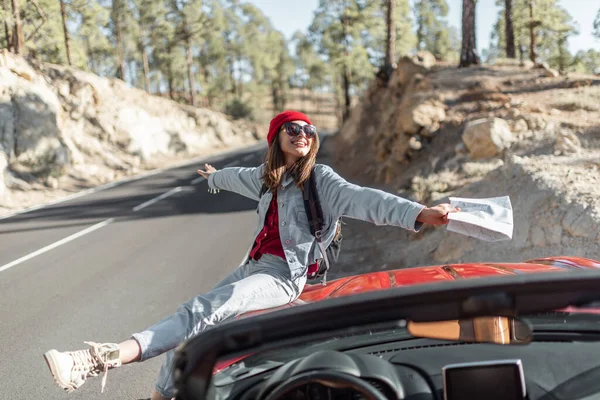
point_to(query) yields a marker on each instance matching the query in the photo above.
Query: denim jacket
(338, 198)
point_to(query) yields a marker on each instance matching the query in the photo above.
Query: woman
(275, 269)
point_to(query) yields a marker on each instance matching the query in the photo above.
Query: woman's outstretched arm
(377, 206)
(241, 180)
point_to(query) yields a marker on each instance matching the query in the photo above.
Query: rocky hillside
(435, 132)
(62, 130)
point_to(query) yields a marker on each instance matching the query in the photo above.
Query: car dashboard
(417, 369)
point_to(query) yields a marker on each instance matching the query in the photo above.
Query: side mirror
(498, 330)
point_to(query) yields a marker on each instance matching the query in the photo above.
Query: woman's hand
(437, 215)
(208, 169)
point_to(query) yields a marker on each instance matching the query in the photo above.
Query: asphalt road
(105, 265)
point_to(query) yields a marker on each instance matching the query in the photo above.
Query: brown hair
(275, 167)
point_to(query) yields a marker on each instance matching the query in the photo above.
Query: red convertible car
(528, 330)
(419, 275)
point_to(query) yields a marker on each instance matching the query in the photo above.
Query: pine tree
(118, 21)
(510, 34)
(5, 17)
(190, 21)
(63, 14)
(533, 23)
(18, 41)
(587, 62)
(432, 32)
(552, 27)
(390, 37)
(468, 55)
(350, 34)
(93, 49)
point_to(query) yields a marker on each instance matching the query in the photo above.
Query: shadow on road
(118, 202)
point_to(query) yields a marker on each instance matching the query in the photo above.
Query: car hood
(383, 280)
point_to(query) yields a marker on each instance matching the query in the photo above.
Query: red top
(268, 240)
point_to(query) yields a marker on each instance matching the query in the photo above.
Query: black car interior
(557, 363)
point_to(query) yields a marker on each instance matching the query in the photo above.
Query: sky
(289, 16)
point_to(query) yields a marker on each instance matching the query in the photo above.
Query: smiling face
(294, 147)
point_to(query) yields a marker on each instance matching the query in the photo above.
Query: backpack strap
(263, 190)
(314, 212)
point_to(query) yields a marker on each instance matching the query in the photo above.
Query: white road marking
(197, 180)
(201, 178)
(130, 179)
(156, 199)
(56, 244)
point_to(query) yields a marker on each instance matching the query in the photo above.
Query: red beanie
(282, 118)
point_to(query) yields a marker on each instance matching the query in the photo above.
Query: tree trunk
(190, 71)
(7, 28)
(562, 54)
(420, 26)
(7, 36)
(390, 39)
(17, 36)
(346, 73)
(233, 89)
(119, 39)
(275, 96)
(146, 68)
(241, 78)
(468, 54)
(170, 74)
(510, 33)
(63, 13)
(347, 100)
(171, 89)
(532, 36)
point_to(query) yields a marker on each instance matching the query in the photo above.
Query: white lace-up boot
(70, 369)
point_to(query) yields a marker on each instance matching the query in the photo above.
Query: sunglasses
(294, 129)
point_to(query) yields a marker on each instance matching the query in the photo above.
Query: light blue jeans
(256, 285)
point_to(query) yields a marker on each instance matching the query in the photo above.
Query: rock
(460, 148)
(513, 113)
(580, 83)
(547, 71)
(414, 144)
(32, 115)
(19, 67)
(52, 182)
(452, 248)
(57, 119)
(425, 59)
(545, 234)
(487, 137)
(487, 85)
(578, 222)
(481, 168)
(419, 83)
(417, 112)
(566, 143)
(527, 64)
(520, 125)
(407, 68)
(551, 73)
(400, 147)
(535, 122)
(483, 95)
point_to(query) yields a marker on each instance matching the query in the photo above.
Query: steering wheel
(331, 379)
